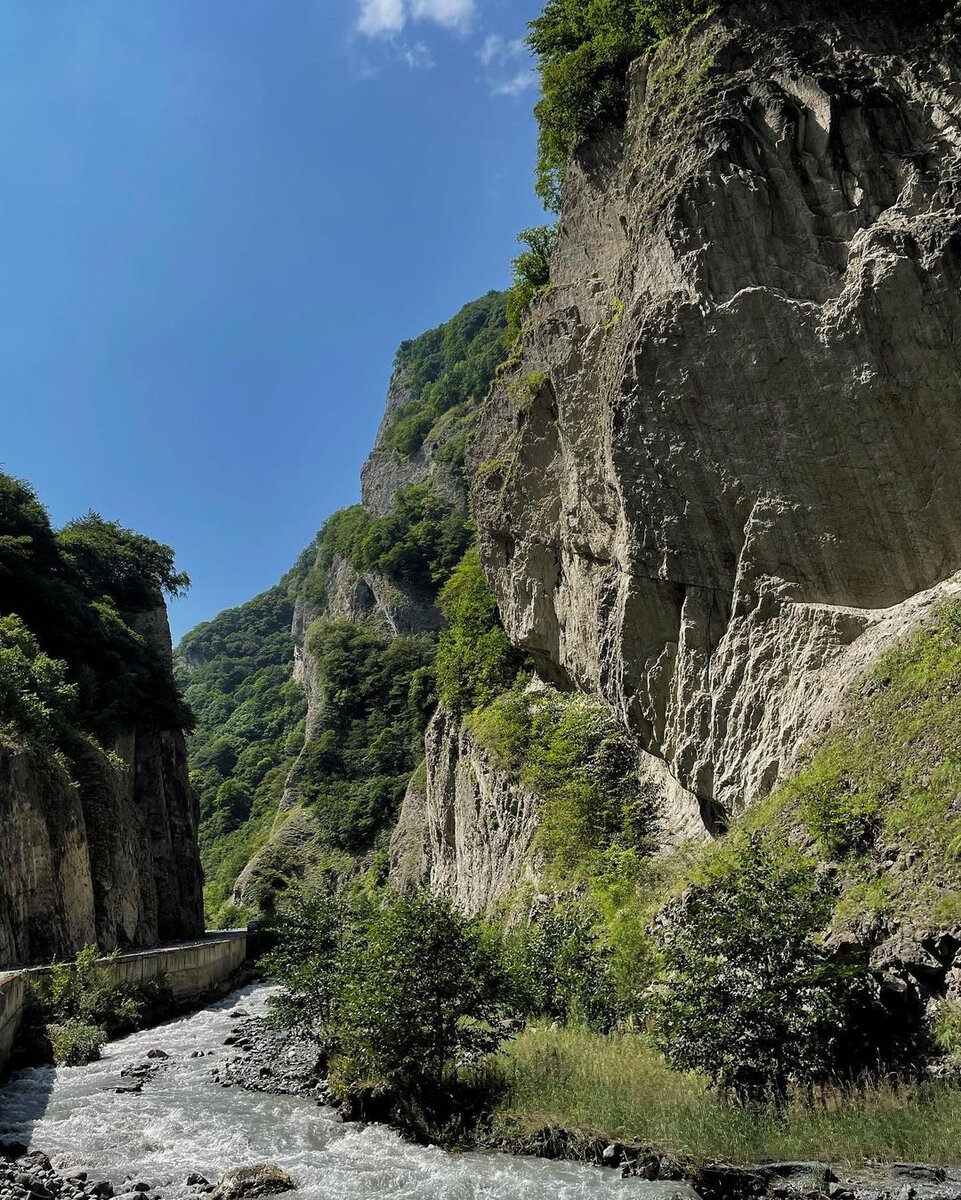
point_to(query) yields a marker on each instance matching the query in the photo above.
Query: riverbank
(610, 1102)
(619, 1088)
(190, 1117)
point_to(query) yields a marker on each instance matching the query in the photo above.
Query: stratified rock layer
(729, 449)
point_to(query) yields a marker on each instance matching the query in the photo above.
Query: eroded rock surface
(112, 861)
(466, 829)
(727, 452)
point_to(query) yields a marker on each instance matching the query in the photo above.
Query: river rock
(261, 1179)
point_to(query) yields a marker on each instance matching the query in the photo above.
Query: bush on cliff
(532, 273)
(417, 544)
(584, 48)
(475, 660)
(36, 701)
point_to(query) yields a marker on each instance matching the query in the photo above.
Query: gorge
(615, 731)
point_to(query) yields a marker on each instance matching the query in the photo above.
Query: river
(184, 1122)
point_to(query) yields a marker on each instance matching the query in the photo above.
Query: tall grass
(620, 1088)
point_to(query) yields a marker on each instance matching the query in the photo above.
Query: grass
(618, 1087)
(888, 776)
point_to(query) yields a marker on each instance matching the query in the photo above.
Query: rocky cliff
(108, 856)
(719, 478)
(98, 823)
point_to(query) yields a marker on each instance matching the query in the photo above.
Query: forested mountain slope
(312, 700)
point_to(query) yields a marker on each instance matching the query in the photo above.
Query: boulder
(259, 1179)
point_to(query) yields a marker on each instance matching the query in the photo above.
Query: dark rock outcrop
(111, 858)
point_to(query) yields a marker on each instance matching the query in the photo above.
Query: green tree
(749, 996)
(404, 991)
(421, 996)
(35, 697)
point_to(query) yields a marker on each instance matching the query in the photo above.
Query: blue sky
(219, 219)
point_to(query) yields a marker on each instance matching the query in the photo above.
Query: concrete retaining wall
(191, 968)
(13, 996)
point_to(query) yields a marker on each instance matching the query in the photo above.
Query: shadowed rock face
(729, 451)
(113, 860)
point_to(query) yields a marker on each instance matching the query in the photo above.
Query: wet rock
(263, 1179)
(157, 1053)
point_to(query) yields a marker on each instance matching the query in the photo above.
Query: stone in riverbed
(261, 1179)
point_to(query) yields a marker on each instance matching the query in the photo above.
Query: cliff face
(466, 829)
(110, 858)
(721, 474)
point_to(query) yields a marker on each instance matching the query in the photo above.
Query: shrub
(475, 660)
(405, 992)
(75, 1043)
(560, 971)
(748, 996)
(420, 997)
(35, 697)
(532, 272)
(571, 750)
(82, 996)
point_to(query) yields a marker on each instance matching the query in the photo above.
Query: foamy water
(183, 1122)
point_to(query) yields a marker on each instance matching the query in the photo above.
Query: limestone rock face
(728, 452)
(465, 830)
(113, 860)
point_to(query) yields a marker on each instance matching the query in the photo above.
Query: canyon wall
(108, 856)
(720, 476)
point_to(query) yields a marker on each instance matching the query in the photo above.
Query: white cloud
(418, 57)
(391, 16)
(455, 14)
(507, 65)
(381, 16)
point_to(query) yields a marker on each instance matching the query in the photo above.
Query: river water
(183, 1122)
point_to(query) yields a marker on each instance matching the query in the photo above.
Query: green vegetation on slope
(415, 545)
(374, 693)
(237, 675)
(76, 668)
(447, 372)
(475, 660)
(378, 693)
(879, 795)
